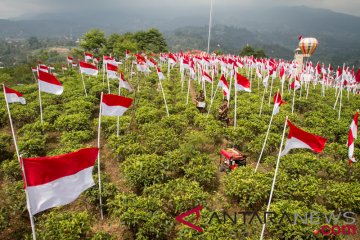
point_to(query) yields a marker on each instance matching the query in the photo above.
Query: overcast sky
(19, 8)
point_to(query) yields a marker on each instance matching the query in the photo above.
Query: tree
(34, 43)
(151, 40)
(93, 40)
(248, 50)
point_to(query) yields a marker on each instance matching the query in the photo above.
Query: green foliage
(72, 122)
(64, 225)
(250, 51)
(249, 189)
(93, 40)
(151, 40)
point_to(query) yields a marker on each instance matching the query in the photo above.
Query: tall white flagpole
(235, 103)
(83, 82)
(271, 87)
(28, 203)
(99, 175)
(267, 133)
(11, 125)
(262, 100)
(210, 21)
(273, 183)
(293, 101)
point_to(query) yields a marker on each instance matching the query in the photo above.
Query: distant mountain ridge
(274, 29)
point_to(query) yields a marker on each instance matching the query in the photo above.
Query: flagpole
(118, 117)
(293, 102)
(273, 183)
(271, 87)
(235, 104)
(267, 133)
(188, 92)
(162, 90)
(83, 81)
(262, 100)
(27, 202)
(40, 103)
(108, 83)
(212, 100)
(103, 71)
(99, 176)
(210, 21)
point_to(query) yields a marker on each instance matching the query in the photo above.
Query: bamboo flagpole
(40, 102)
(235, 104)
(162, 90)
(267, 132)
(28, 203)
(274, 179)
(98, 142)
(83, 82)
(11, 125)
(212, 100)
(118, 117)
(188, 91)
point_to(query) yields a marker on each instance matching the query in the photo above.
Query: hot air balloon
(308, 46)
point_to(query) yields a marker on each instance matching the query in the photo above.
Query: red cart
(230, 159)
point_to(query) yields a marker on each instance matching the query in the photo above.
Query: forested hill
(274, 29)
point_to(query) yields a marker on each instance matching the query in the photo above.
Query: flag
(88, 56)
(172, 59)
(160, 74)
(124, 84)
(206, 77)
(58, 180)
(34, 69)
(69, 59)
(298, 138)
(49, 84)
(242, 83)
(258, 72)
(266, 80)
(127, 54)
(224, 85)
(74, 64)
(13, 96)
(88, 68)
(112, 71)
(282, 74)
(277, 103)
(352, 136)
(43, 68)
(64, 68)
(114, 105)
(295, 84)
(357, 76)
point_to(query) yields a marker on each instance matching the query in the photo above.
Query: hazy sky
(18, 8)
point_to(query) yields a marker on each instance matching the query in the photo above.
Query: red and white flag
(258, 72)
(112, 71)
(69, 59)
(298, 138)
(13, 96)
(172, 59)
(352, 136)
(64, 68)
(88, 56)
(225, 86)
(114, 105)
(277, 103)
(160, 74)
(206, 77)
(88, 68)
(74, 64)
(282, 74)
(242, 83)
(295, 85)
(34, 69)
(124, 84)
(357, 76)
(58, 180)
(43, 68)
(127, 54)
(49, 84)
